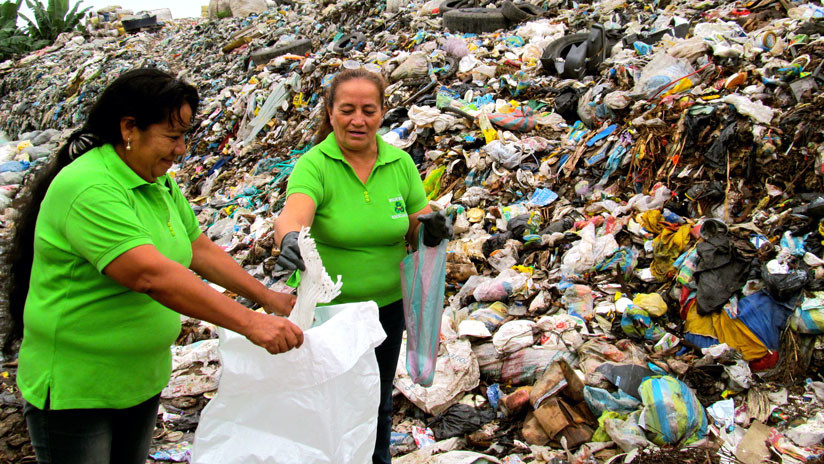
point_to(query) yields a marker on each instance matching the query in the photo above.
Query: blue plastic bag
(601, 401)
(423, 278)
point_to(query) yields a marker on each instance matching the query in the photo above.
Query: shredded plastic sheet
(315, 284)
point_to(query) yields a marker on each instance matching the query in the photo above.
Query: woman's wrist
(278, 303)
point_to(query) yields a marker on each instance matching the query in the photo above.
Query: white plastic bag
(587, 252)
(314, 404)
(514, 336)
(662, 70)
(456, 372)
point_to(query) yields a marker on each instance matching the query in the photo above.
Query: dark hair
(149, 96)
(344, 76)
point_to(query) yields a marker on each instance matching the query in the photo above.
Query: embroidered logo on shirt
(399, 207)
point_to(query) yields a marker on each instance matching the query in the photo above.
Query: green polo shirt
(360, 229)
(88, 341)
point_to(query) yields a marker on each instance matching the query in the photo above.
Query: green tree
(52, 20)
(13, 41)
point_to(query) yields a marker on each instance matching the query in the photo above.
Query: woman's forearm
(145, 270)
(215, 265)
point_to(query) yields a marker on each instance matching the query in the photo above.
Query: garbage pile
(637, 198)
(114, 22)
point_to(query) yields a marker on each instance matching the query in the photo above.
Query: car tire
(348, 42)
(555, 49)
(474, 20)
(452, 62)
(297, 47)
(517, 12)
(450, 5)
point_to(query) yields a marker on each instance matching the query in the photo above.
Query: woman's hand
(436, 227)
(273, 333)
(279, 303)
(290, 258)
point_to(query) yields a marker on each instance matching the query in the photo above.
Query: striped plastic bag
(522, 119)
(672, 413)
(423, 277)
(808, 317)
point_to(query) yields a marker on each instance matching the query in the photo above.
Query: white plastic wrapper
(315, 284)
(756, 110)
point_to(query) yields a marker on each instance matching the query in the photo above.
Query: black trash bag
(518, 225)
(395, 117)
(566, 104)
(815, 209)
(813, 244)
(694, 125)
(495, 242)
(716, 155)
(627, 377)
(561, 225)
(709, 190)
(719, 273)
(816, 285)
(459, 420)
(418, 153)
(783, 287)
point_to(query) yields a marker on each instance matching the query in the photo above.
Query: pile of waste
(637, 196)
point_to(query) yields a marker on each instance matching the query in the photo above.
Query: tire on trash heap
(348, 42)
(519, 11)
(450, 5)
(474, 20)
(554, 49)
(297, 47)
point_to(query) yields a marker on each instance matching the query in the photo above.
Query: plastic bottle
(399, 133)
(489, 132)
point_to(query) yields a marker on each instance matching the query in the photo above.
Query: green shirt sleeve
(306, 178)
(185, 210)
(416, 200)
(100, 225)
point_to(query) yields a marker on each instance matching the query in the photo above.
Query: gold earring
(128, 145)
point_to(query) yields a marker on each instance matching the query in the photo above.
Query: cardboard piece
(533, 432)
(559, 420)
(516, 401)
(753, 446)
(559, 378)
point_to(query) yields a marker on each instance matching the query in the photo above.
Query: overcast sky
(180, 8)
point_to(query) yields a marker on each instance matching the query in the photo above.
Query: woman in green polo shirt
(110, 261)
(364, 200)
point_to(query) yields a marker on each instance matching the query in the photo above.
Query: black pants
(391, 317)
(92, 436)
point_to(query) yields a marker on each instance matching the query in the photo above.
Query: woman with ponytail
(102, 271)
(364, 200)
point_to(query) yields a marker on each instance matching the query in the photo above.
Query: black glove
(290, 258)
(436, 227)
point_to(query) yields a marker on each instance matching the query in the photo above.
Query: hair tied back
(81, 143)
